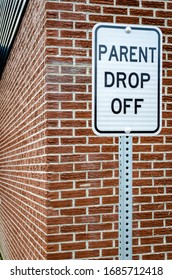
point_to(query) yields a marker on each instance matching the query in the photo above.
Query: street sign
(126, 79)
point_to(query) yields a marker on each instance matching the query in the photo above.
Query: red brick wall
(23, 142)
(59, 181)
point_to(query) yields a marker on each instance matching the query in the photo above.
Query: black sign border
(132, 132)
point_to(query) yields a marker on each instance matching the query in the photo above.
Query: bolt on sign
(126, 79)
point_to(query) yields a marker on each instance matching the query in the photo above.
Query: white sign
(126, 79)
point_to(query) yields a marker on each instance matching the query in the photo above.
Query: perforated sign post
(126, 100)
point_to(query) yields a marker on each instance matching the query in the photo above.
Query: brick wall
(23, 142)
(58, 180)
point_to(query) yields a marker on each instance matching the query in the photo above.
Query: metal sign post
(126, 100)
(125, 197)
